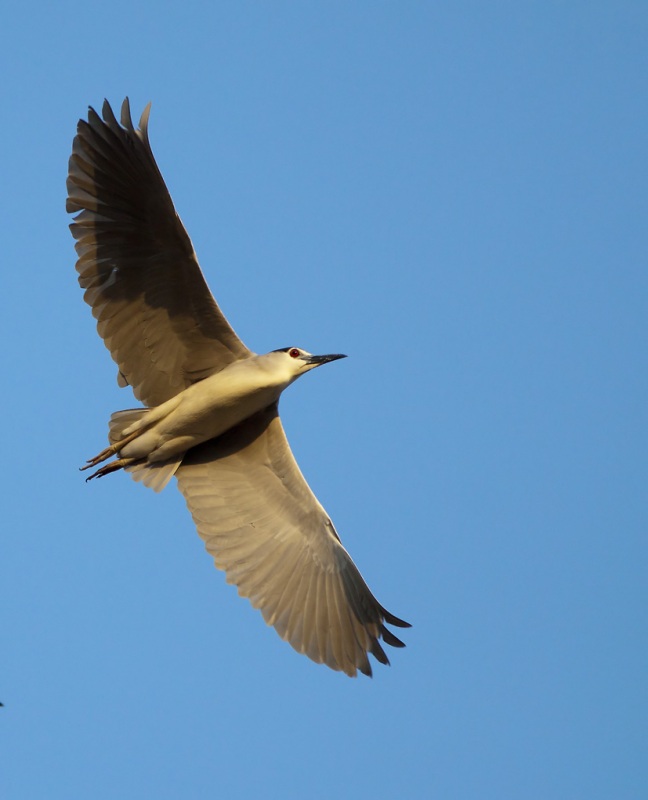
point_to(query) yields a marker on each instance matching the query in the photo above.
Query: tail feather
(121, 420)
(154, 474)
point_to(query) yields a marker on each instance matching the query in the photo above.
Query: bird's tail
(154, 474)
(121, 420)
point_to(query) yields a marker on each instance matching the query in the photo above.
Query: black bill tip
(317, 361)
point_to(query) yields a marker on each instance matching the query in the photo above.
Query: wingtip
(108, 115)
(389, 638)
(125, 115)
(364, 668)
(393, 620)
(144, 119)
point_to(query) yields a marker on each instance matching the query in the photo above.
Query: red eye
(294, 352)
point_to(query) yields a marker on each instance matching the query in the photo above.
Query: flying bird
(210, 405)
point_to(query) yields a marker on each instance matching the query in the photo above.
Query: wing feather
(137, 265)
(266, 529)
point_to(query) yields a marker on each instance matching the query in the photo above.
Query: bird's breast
(204, 411)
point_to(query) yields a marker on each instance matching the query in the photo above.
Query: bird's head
(297, 361)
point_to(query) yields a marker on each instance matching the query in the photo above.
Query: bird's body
(211, 405)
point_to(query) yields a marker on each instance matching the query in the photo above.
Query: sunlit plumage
(210, 413)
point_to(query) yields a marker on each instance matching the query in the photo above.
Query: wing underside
(267, 531)
(137, 265)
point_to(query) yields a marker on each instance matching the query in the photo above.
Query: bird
(209, 413)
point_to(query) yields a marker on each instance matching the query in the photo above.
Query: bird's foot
(92, 462)
(119, 463)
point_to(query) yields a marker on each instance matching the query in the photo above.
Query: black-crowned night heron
(211, 405)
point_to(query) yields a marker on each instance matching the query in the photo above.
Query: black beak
(317, 361)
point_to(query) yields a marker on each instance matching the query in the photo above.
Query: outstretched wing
(136, 262)
(267, 530)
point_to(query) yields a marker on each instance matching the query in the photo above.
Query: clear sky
(454, 194)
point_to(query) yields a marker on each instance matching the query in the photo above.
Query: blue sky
(454, 194)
